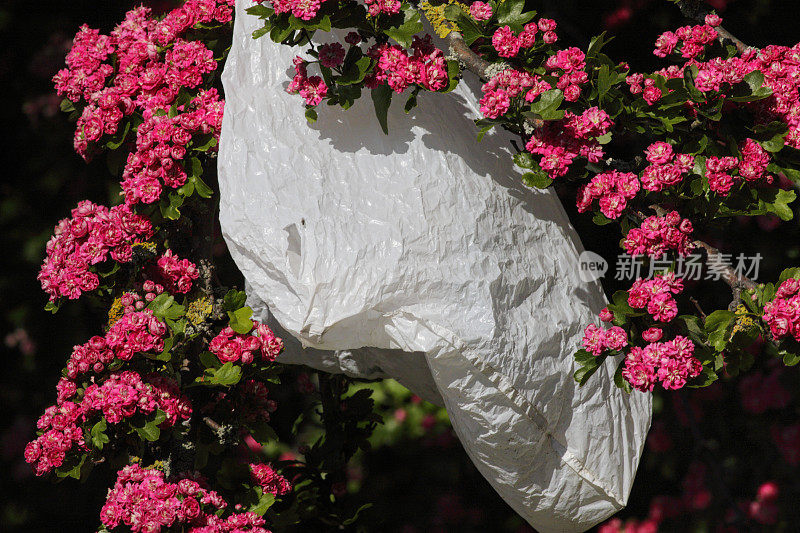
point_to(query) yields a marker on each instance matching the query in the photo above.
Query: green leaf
(117, 140)
(547, 105)
(381, 99)
(67, 106)
(202, 189)
(160, 304)
(260, 10)
(790, 273)
(234, 300)
(354, 71)
(706, 378)
(209, 360)
(74, 472)
(52, 306)
(227, 374)
(469, 30)
(596, 44)
(204, 143)
(538, 179)
(619, 379)
(99, 437)
(509, 11)
(166, 354)
(453, 74)
(583, 374)
(777, 201)
(601, 220)
(411, 103)
(265, 501)
(524, 160)
(789, 358)
(263, 432)
(716, 327)
(410, 27)
(689, 76)
(240, 320)
(311, 115)
(150, 431)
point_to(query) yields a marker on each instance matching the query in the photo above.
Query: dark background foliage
(419, 479)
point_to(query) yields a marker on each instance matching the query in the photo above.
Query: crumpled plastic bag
(420, 256)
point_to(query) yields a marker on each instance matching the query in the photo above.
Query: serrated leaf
(234, 300)
(410, 27)
(716, 326)
(227, 374)
(509, 11)
(99, 437)
(265, 501)
(240, 320)
(160, 304)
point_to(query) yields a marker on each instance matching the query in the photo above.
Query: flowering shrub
(180, 377)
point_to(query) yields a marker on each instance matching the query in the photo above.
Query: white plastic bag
(420, 256)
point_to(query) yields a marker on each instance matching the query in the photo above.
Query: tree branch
(469, 59)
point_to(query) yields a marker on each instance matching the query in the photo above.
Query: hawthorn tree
(180, 375)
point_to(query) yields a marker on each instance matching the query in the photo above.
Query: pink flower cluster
(426, 66)
(656, 295)
(761, 393)
(571, 63)
(480, 11)
(143, 501)
(120, 396)
(161, 145)
(388, 7)
(311, 88)
(331, 55)
(596, 340)
(613, 190)
(133, 301)
(781, 68)
(506, 44)
(672, 363)
(61, 429)
(508, 84)
(752, 167)
(123, 395)
(230, 346)
(94, 234)
(559, 142)
(137, 332)
(691, 40)
(268, 479)
(645, 86)
(782, 314)
(656, 235)
(666, 168)
(127, 71)
(178, 273)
